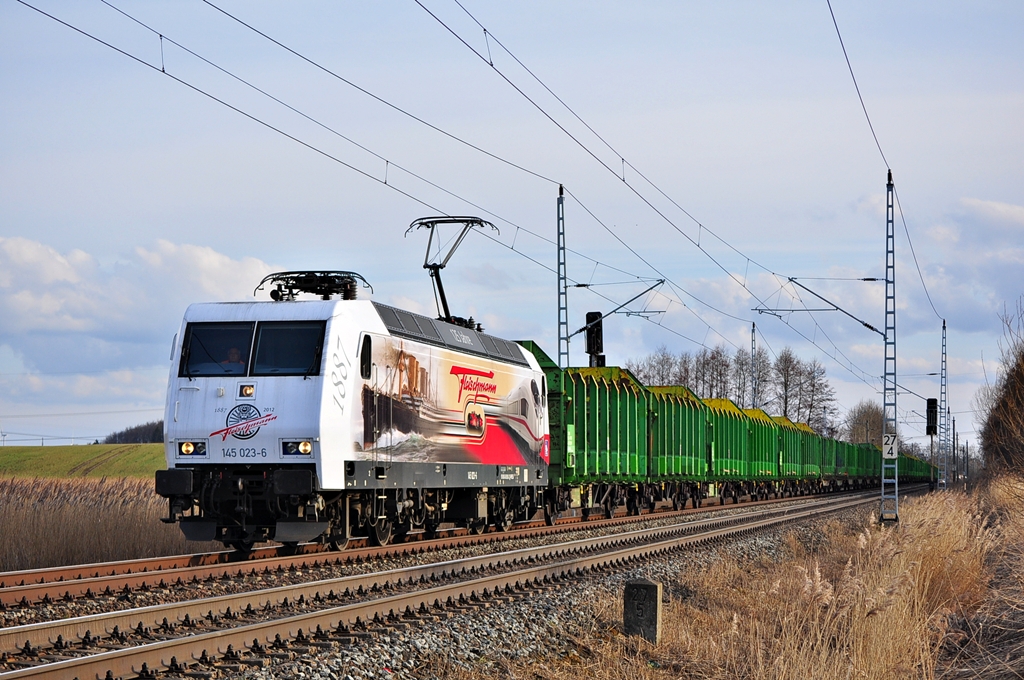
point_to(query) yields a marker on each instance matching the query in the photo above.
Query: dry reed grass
(989, 643)
(52, 522)
(868, 602)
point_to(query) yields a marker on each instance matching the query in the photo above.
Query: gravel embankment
(545, 624)
(16, 615)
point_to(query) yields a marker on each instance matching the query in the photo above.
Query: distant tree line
(147, 433)
(788, 386)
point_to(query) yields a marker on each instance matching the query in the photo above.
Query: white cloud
(994, 210)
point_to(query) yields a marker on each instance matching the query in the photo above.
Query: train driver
(234, 363)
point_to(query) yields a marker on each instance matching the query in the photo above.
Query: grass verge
(52, 522)
(859, 601)
(93, 460)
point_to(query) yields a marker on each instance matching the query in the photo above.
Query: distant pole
(890, 502)
(563, 297)
(967, 459)
(956, 454)
(943, 418)
(753, 364)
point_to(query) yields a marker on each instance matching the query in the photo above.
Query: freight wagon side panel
(811, 445)
(679, 432)
(729, 440)
(605, 424)
(791, 458)
(765, 450)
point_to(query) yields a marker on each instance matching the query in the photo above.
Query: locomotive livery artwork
(325, 419)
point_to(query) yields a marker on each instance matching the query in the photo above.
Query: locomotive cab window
(215, 349)
(288, 348)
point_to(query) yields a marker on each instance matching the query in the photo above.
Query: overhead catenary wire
(299, 141)
(278, 130)
(878, 144)
(634, 190)
(383, 101)
(673, 286)
(388, 162)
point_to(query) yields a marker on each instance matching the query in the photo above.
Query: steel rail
(38, 634)
(123, 661)
(68, 583)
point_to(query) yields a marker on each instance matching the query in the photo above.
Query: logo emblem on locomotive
(243, 422)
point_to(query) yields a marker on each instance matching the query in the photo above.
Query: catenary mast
(890, 504)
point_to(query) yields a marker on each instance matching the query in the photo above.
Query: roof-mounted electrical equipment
(287, 285)
(436, 266)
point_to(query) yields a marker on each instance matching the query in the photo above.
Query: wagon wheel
(550, 513)
(503, 522)
(631, 506)
(242, 545)
(381, 533)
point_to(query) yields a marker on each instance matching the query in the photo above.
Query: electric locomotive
(296, 420)
(323, 419)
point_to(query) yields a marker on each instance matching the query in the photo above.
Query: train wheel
(243, 545)
(550, 514)
(503, 522)
(338, 543)
(381, 533)
(477, 526)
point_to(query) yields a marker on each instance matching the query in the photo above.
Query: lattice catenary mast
(753, 365)
(943, 418)
(563, 297)
(890, 504)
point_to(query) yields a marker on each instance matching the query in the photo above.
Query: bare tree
(787, 376)
(658, 368)
(816, 397)
(1002, 435)
(684, 369)
(740, 388)
(864, 423)
(789, 387)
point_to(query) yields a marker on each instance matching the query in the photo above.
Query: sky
(719, 146)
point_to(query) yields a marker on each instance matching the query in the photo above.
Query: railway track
(227, 633)
(44, 586)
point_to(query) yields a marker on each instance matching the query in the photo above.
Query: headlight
(192, 448)
(303, 448)
(246, 391)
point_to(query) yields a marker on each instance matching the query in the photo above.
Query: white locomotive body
(325, 419)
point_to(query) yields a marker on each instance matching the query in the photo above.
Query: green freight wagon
(829, 454)
(606, 426)
(765, 452)
(729, 437)
(811, 445)
(678, 434)
(791, 464)
(728, 434)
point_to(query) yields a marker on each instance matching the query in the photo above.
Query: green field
(96, 460)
